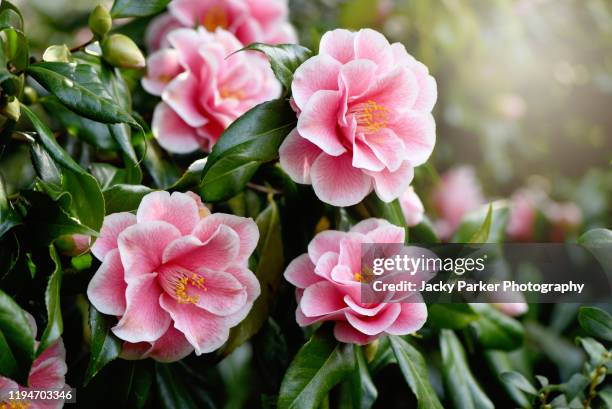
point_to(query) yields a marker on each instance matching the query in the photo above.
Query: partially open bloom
(264, 21)
(48, 372)
(203, 87)
(412, 207)
(364, 118)
(175, 275)
(457, 194)
(328, 280)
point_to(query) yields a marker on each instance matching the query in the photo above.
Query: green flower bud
(122, 52)
(100, 21)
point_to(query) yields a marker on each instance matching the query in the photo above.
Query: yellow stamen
(215, 17)
(182, 285)
(227, 93)
(358, 277)
(372, 116)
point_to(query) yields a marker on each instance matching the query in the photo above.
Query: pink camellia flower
(364, 118)
(565, 218)
(412, 207)
(203, 87)
(328, 280)
(251, 21)
(457, 194)
(48, 372)
(523, 214)
(175, 275)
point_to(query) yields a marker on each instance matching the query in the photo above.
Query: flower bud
(73, 244)
(100, 21)
(12, 110)
(120, 51)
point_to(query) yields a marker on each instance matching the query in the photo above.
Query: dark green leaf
(517, 380)
(559, 350)
(140, 380)
(16, 51)
(191, 177)
(482, 234)
(317, 367)
(597, 353)
(164, 173)
(474, 225)
(55, 324)
(172, 392)
(452, 316)
(66, 83)
(364, 391)
(501, 362)
(137, 8)
(414, 369)
(18, 336)
(251, 140)
(423, 232)
(392, 211)
(575, 385)
(495, 330)
(8, 217)
(284, 59)
(124, 198)
(269, 272)
(464, 390)
(596, 322)
(10, 16)
(599, 242)
(121, 134)
(104, 345)
(8, 362)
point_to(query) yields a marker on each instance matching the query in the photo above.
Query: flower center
(215, 17)
(372, 116)
(184, 284)
(20, 404)
(227, 93)
(358, 277)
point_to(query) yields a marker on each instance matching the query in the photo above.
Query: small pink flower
(412, 207)
(364, 118)
(457, 194)
(523, 214)
(328, 280)
(513, 309)
(175, 275)
(203, 87)
(73, 244)
(565, 219)
(48, 372)
(251, 21)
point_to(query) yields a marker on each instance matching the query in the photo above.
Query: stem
(263, 189)
(82, 46)
(600, 370)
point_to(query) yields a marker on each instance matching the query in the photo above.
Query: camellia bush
(184, 196)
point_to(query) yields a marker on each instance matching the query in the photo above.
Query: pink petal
(297, 156)
(363, 155)
(162, 67)
(396, 90)
(142, 245)
(318, 121)
(411, 318)
(356, 77)
(7, 385)
(250, 282)
(390, 185)
(387, 234)
(315, 74)
(49, 369)
(359, 309)
(206, 332)
(134, 351)
(113, 225)
(326, 241)
(171, 347)
(417, 130)
(322, 298)
(245, 228)
(144, 320)
(344, 332)
(300, 272)
(158, 29)
(326, 264)
(337, 182)
(178, 209)
(338, 44)
(182, 95)
(387, 147)
(187, 44)
(367, 225)
(171, 132)
(350, 252)
(372, 45)
(106, 290)
(376, 324)
(412, 207)
(217, 253)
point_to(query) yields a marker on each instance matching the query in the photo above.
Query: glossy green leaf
(10, 16)
(18, 335)
(465, 392)
(392, 211)
(124, 198)
(517, 380)
(284, 59)
(8, 217)
(104, 345)
(137, 8)
(495, 330)
(317, 367)
(269, 272)
(414, 369)
(15, 47)
(596, 322)
(452, 316)
(67, 82)
(139, 382)
(191, 177)
(251, 140)
(475, 224)
(423, 232)
(364, 391)
(55, 323)
(172, 391)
